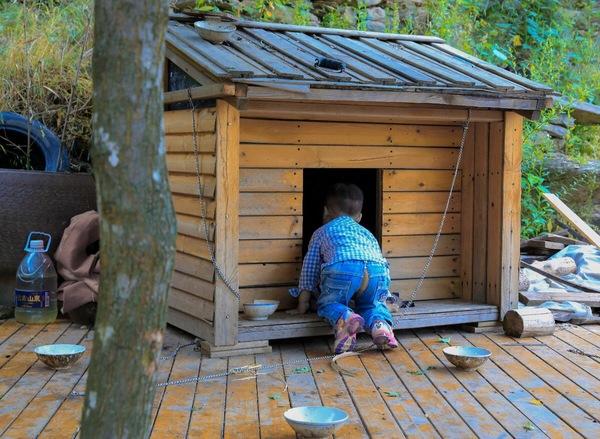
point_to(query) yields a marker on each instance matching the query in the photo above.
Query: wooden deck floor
(541, 389)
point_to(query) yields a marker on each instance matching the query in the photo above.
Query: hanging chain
(211, 248)
(444, 215)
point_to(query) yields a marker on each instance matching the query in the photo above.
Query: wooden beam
(203, 92)
(382, 97)
(511, 212)
(532, 298)
(580, 225)
(227, 223)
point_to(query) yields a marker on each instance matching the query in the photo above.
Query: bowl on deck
(260, 309)
(466, 357)
(59, 356)
(315, 421)
(214, 31)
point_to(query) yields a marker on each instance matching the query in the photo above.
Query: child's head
(343, 199)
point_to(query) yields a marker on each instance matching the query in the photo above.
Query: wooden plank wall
(191, 297)
(417, 162)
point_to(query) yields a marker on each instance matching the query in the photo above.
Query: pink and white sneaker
(383, 335)
(345, 332)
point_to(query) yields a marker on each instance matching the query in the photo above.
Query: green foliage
(362, 13)
(301, 12)
(334, 17)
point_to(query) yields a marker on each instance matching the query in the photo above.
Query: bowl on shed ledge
(466, 357)
(260, 309)
(315, 421)
(59, 356)
(214, 31)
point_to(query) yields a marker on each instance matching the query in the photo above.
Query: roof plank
(462, 65)
(422, 63)
(525, 82)
(383, 60)
(264, 57)
(375, 74)
(289, 49)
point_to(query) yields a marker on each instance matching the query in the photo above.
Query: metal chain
(211, 248)
(444, 215)
(585, 354)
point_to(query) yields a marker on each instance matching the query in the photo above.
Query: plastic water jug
(35, 292)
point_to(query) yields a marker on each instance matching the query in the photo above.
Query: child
(344, 262)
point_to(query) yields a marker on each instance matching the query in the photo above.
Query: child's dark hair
(345, 199)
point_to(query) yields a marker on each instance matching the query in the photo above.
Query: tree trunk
(137, 222)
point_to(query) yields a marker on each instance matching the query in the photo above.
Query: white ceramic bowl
(315, 421)
(466, 357)
(214, 31)
(59, 356)
(260, 309)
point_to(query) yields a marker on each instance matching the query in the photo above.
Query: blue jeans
(339, 283)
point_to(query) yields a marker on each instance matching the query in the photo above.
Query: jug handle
(38, 233)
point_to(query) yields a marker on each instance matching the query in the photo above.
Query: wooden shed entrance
(275, 129)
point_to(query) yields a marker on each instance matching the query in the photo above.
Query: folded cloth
(77, 261)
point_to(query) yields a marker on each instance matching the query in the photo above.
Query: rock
(375, 26)
(563, 120)
(541, 138)
(370, 3)
(349, 14)
(376, 14)
(314, 20)
(556, 130)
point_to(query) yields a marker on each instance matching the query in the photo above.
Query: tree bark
(138, 229)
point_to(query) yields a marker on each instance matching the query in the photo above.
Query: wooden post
(511, 212)
(227, 222)
(466, 228)
(137, 224)
(528, 322)
(480, 209)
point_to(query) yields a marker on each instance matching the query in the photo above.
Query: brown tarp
(80, 270)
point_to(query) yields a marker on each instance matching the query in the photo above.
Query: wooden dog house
(273, 129)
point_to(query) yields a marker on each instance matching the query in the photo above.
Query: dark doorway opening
(317, 181)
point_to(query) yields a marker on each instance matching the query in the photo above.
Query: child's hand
(303, 304)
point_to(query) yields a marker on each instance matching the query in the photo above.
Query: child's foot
(383, 335)
(345, 332)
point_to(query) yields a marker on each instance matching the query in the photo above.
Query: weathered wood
(467, 179)
(558, 266)
(494, 212)
(191, 205)
(532, 298)
(180, 121)
(178, 57)
(432, 288)
(580, 225)
(193, 285)
(401, 180)
(281, 203)
(339, 133)
(266, 227)
(286, 301)
(185, 142)
(194, 266)
(332, 156)
(209, 91)
(188, 184)
(193, 246)
(186, 163)
(558, 278)
(274, 250)
(241, 418)
(253, 275)
(192, 325)
(511, 212)
(227, 223)
(419, 202)
(480, 212)
(243, 348)
(409, 268)
(191, 304)
(420, 245)
(192, 232)
(208, 415)
(137, 227)
(270, 180)
(528, 322)
(366, 113)
(418, 223)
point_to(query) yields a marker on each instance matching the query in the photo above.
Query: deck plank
(473, 413)
(34, 411)
(565, 350)
(576, 418)
(302, 389)
(8, 328)
(332, 389)
(499, 407)
(208, 413)
(241, 409)
(173, 416)
(540, 416)
(273, 400)
(582, 332)
(550, 375)
(17, 341)
(440, 413)
(579, 343)
(406, 411)
(16, 366)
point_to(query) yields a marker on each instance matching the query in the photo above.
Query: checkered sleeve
(311, 267)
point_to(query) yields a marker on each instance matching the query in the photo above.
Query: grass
(45, 67)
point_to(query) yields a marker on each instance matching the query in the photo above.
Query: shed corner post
(511, 211)
(227, 223)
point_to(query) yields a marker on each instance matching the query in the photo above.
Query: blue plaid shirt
(341, 239)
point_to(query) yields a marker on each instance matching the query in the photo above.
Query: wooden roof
(284, 56)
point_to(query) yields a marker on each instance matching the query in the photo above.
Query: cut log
(523, 281)
(532, 298)
(562, 239)
(558, 266)
(528, 322)
(536, 243)
(558, 279)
